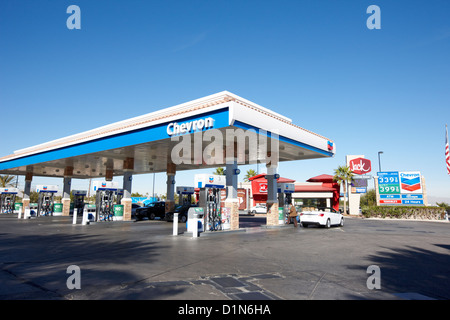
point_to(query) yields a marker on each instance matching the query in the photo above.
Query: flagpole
(447, 151)
(447, 159)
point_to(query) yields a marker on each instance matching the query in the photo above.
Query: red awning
(314, 188)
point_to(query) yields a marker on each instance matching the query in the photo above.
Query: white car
(325, 217)
(258, 209)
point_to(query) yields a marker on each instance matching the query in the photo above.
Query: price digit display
(387, 180)
(388, 183)
(389, 188)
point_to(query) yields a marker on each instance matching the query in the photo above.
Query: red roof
(258, 176)
(262, 176)
(321, 178)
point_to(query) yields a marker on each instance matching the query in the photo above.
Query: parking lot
(142, 260)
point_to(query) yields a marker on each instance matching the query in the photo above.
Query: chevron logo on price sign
(410, 182)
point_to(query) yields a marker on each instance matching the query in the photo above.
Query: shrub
(403, 212)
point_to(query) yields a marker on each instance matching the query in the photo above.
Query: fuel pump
(45, 199)
(185, 195)
(8, 199)
(104, 199)
(210, 199)
(119, 195)
(79, 196)
(285, 191)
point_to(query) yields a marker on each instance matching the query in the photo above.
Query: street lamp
(153, 190)
(379, 161)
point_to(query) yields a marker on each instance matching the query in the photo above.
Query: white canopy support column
(170, 200)
(231, 206)
(67, 181)
(27, 191)
(272, 201)
(128, 167)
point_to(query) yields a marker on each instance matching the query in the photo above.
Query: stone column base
(170, 205)
(66, 207)
(272, 213)
(26, 203)
(126, 202)
(230, 214)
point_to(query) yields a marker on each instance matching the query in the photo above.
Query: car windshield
(328, 209)
(151, 204)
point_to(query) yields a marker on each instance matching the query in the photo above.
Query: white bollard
(20, 213)
(85, 217)
(195, 226)
(75, 214)
(27, 213)
(175, 223)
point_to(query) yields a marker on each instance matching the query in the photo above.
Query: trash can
(91, 212)
(118, 212)
(281, 217)
(58, 209)
(195, 217)
(17, 206)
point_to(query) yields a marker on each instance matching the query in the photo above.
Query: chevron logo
(410, 182)
(330, 146)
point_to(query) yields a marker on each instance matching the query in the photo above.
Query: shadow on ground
(35, 266)
(414, 270)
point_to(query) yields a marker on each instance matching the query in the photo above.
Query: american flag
(447, 152)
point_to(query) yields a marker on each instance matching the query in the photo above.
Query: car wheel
(151, 216)
(254, 211)
(183, 219)
(328, 224)
(304, 225)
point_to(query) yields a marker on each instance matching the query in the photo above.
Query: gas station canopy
(147, 140)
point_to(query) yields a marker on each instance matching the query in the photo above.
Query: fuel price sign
(388, 182)
(400, 188)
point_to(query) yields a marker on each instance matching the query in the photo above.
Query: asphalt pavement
(144, 261)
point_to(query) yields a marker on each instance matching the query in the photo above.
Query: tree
(137, 195)
(219, 171)
(6, 181)
(250, 173)
(444, 205)
(369, 198)
(34, 197)
(343, 175)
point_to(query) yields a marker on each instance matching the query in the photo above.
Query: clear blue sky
(313, 61)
